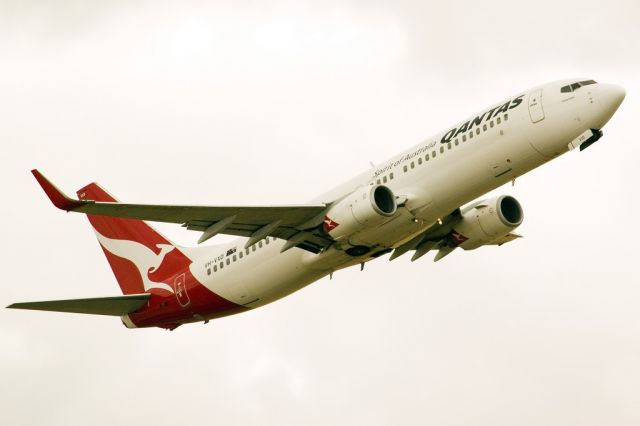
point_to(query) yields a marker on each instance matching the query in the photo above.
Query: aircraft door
(535, 106)
(180, 288)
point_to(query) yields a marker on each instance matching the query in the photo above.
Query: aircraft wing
(438, 237)
(256, 222)
(116, 306)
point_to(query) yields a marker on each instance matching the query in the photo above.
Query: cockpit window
(575, 86)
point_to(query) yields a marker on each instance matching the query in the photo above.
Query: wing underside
(439, 237)
(301, 222)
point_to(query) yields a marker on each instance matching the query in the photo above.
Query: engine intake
(384, 202)
(364, 208)
(486, 221)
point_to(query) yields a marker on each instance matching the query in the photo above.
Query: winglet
(57, 197)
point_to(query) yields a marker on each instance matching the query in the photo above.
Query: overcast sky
(275, 102)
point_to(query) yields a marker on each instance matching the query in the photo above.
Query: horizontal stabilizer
(116, 306)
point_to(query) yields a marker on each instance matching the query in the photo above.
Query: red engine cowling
(486, 221)
(364, 208)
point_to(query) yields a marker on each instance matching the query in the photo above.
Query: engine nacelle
(364, 208)
(486, 221)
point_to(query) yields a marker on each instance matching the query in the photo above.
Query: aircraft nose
(610, 97)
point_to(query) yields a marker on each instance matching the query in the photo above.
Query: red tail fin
(140, 257)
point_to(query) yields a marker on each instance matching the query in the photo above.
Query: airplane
(418, 201)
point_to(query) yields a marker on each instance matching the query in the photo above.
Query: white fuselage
(436, 177)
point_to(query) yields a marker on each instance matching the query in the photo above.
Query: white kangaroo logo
(140, 255)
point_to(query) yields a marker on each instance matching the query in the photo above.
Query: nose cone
(610, 97)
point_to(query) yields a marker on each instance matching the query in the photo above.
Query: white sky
(275, 102)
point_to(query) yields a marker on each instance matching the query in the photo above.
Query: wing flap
(116, 306)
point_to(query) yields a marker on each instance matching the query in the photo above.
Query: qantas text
(453, 133)
(481, 118)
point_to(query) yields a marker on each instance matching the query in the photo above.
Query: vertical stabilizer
(140, 257)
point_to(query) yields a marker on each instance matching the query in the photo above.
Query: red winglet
(57, 197)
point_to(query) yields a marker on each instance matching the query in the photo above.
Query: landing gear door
(535, 106)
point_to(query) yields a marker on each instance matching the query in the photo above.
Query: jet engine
(364, 208)
(487, 221)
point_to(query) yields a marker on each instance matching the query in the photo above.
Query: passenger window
(491, 123)
(484, 127)
(448, 145)
(208, 271)
(506, 117)
(235, 257)
(246, 251)
(241, 254)
(413, 165)
(221, 265)
(498, 120)
(470, 135)
(442, 150)
(433, 154)
(405, 168)
(260, 244)
(456, 141)
(384, 179)
(464, 138)
(426, 157)
(391, 175)
(419, 160)
(215, 268)
(253, 247)
(378, 181)
(228, 261)
(478, 131)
